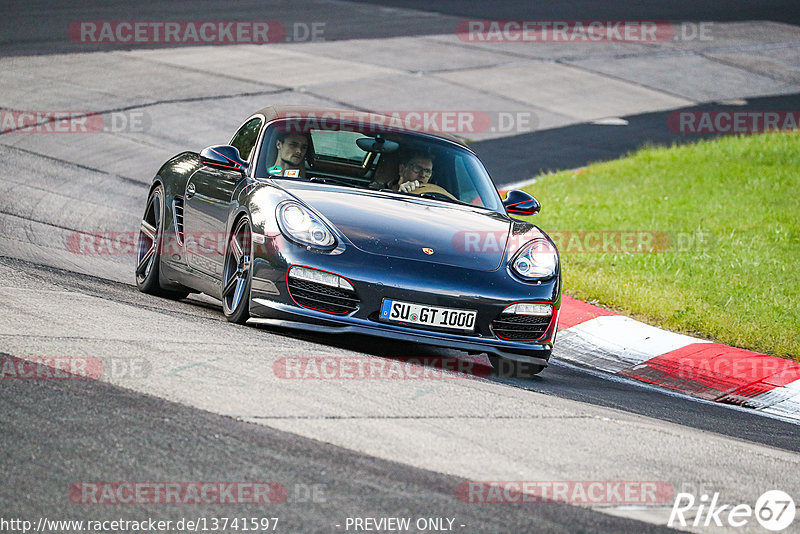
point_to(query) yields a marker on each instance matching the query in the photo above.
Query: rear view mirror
(376, 144)
(521, 203)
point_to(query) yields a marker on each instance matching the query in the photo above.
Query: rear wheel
(149, 244)
(505, 368)
(236, 273)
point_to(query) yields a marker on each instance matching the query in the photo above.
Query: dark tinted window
(245, 138)
(334, 156)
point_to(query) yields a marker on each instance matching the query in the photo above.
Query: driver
(414, 171)
(292, 149)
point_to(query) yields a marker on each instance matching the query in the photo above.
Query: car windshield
(362, 158)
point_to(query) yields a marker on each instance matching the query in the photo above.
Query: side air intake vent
(177, 212)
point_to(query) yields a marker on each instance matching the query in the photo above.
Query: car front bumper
(271, 313)
(377, 277)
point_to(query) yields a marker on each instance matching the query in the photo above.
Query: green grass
(731, 210)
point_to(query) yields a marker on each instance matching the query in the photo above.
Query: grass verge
(702, 239)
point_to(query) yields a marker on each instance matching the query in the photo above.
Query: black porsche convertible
(346, 222)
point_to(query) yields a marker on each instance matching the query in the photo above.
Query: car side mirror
(521, 203)
(223, 157)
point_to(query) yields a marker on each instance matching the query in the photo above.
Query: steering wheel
(433, 191)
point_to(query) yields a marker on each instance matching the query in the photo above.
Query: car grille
(322, 297)
(177, 207)
(528, 327)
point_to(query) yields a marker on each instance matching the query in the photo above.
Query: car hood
(403, 227)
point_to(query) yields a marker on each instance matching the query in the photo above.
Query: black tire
(236, 273)
(149, 244)
(505, 368)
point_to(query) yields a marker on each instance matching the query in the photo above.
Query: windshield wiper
(320, 179)
(439, 196)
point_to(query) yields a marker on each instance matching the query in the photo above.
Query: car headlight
(302, 226)
(537, 259)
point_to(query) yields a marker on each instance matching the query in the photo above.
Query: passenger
(292, 149)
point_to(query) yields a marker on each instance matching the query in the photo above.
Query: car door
(208, 201)
(206, 206)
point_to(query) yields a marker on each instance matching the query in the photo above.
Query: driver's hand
(407, 187)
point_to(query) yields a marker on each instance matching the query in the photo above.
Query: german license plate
(409, 312)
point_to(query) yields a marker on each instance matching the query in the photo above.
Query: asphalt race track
(187, 396)
(571, 147)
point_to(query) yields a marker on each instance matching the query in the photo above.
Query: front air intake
(520, 327)
(321, 290)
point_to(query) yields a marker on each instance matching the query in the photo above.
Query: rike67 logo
(774, 510)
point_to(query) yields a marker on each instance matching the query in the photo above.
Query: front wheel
(149, 244)
(236, 273)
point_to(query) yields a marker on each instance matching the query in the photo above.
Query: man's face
(292, 151)
(419, 168)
